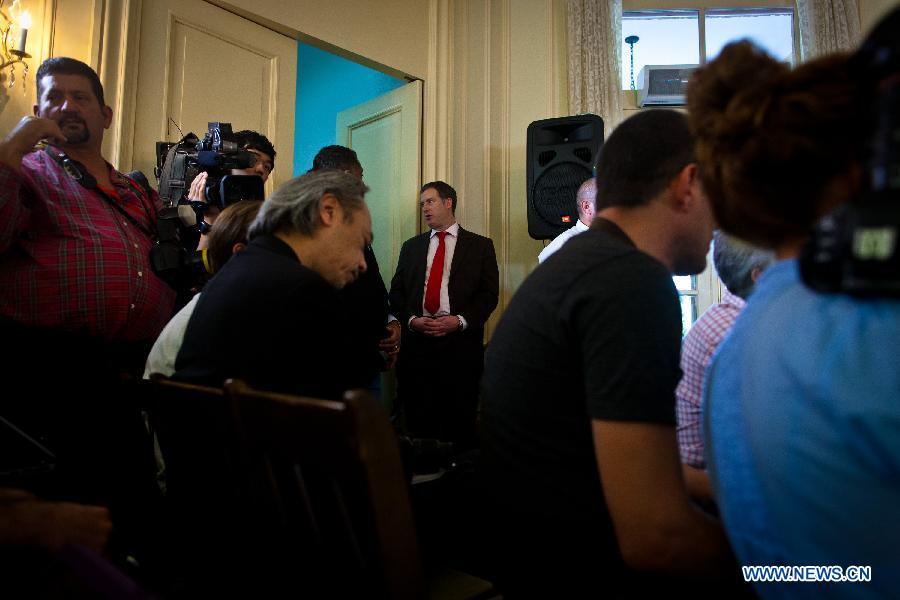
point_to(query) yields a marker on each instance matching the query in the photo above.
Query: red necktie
(433, 289)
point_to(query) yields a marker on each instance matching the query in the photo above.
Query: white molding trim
(459, 110)
(553, 98)
(100, 10)
(429, 98)
(437, 146)
(118, 60)
(505, 161)
(49, 20)
(486, 121)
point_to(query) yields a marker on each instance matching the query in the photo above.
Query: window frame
(701, 6)
(709, 287)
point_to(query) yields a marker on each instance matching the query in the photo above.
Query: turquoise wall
(326, 85)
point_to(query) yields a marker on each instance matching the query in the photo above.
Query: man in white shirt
(586, 199)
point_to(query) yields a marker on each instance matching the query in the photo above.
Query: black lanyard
(79, 173)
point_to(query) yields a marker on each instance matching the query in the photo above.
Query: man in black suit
(445, 288)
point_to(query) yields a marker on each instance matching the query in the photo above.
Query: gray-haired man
(739, 265)
(272, 315)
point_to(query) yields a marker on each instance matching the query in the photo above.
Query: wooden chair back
(211, 524)
(330, 478)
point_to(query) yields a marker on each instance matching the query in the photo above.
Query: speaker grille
(583, 154)
(545, 157)
(554, 192)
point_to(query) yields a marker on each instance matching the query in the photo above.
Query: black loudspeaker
(562, 154)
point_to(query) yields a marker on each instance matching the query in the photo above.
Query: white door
(200, 63)
(386, 133)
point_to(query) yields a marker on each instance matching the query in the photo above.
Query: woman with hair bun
(802, 408)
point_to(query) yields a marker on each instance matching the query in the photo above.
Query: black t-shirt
(593, 333)
(366, 303)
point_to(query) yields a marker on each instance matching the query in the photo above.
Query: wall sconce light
(9, 54)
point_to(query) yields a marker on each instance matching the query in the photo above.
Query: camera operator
(801, 402)
(79, 303)
(256, 144)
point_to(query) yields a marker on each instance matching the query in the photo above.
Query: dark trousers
(73, 396)
(438, 385)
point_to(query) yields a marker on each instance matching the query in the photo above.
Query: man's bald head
(586, 199)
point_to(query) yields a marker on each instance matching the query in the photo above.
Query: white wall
(870, 11)
(392, 33)
(45, 40)
(497, 65)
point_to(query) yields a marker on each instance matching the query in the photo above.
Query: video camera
(180, 222)
(856, 248)
(216, 154)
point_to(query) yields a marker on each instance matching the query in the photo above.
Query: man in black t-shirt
(580, 461)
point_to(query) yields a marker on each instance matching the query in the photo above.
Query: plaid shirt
(71, 261)
(696, 352)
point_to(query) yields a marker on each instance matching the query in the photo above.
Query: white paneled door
(200, 63)
(386, 133)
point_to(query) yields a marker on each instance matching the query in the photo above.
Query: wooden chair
(195, 428)
(334, 483)
(275, 494)
(211, 523)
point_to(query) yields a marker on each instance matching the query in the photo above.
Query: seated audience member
(227, 236)
(580, 459)
(272, 315)
(738, 265)
(586, 201)
(367, 297)
(802, 401)
(253, 142)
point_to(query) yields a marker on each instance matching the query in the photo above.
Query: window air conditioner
(664, 85)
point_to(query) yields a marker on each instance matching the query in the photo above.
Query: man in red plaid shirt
(79, 303)
(75, 256)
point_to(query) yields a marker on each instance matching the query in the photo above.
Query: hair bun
(769, 138)
(729, 97)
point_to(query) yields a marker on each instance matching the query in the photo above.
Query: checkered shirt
(696, 352)
(71, 261)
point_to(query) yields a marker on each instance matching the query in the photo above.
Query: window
(688, 295)
(770, 28)
(665, 37)
(693, 36)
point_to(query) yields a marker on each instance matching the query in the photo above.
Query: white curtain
(827, 26)
(595, 49)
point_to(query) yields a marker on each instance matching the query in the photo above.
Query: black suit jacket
(474, 285)
(366, 301)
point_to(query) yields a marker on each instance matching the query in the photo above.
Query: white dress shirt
(561, 239)
(165, 348)
(449, 249)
